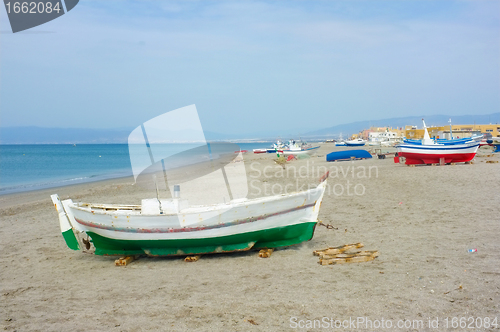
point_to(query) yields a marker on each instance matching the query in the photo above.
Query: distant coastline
(39, 135)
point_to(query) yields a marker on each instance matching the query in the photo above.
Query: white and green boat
(223, 220)
(172, 227)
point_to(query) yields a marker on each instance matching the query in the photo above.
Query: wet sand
(422, 220)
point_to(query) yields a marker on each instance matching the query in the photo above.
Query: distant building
(381, 134)
(460, 131)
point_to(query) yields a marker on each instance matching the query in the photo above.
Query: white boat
(297, 147)
(381, 143)
(355, 142)
(173, 227)
(279, 145)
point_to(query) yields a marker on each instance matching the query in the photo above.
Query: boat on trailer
(172, 227)
(430, 152)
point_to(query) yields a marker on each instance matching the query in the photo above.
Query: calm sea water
(33, 167)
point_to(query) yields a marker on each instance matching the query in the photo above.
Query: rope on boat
(328, 226)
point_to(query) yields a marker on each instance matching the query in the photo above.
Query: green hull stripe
(269, 238)
(70, 239)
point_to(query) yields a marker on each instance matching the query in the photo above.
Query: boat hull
(295, 152)
(268, 238)
(348, 155)
(259, 150)
(267, 222)
(422, 154)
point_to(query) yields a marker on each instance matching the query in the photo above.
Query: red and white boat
(259, 150)
(430, 152)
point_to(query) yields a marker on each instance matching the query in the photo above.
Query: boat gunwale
(438, 147)
(169, 230)
(113, 208)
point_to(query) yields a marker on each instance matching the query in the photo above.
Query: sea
(41, 166)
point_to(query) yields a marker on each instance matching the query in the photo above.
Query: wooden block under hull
(123, 261)
(265, 253)
(192, 258)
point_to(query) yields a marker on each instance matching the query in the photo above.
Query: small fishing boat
(296, 152)
(356, 142)
(340, 141)
(495, 143)
(295, 148)
(259, 150)
(348, 155)
(172, 227)
(223, 219)
(454, 141)
(430, 152)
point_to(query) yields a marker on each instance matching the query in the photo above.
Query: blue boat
(348, 155)
(440, 141)
(495, 143)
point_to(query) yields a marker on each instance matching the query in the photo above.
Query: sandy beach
(422, 220)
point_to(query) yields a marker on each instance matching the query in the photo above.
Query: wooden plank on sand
(366, 257)
(337, 250)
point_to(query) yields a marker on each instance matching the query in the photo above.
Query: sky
(251, 66)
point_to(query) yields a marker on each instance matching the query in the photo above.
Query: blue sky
(252, 66)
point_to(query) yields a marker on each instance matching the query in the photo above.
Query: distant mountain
(430, 120)
(37, 135)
